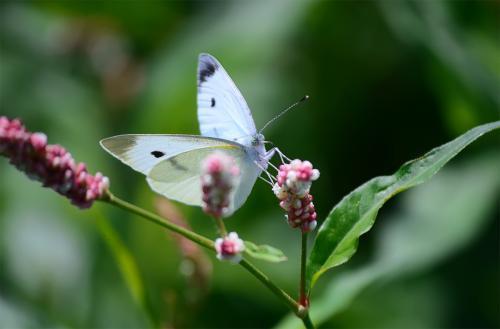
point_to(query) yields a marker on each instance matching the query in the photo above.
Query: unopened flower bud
(230, 248)
(38, 140)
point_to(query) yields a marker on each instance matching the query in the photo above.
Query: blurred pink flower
(51, 165)
(219, 172)
(229, 248)
(292, 189)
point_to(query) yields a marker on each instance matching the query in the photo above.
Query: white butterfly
(172, 162)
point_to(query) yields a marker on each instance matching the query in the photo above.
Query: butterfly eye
(212, 104)
(157, 154)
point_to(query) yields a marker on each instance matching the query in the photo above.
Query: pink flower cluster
(50, 164)
(219, 172)
(292, 189)
(230, 248)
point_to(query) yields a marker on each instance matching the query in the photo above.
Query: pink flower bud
(230, 248)
(38, 140)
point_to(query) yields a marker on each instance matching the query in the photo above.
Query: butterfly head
(257, 139)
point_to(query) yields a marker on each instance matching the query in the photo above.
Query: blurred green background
(388, 81)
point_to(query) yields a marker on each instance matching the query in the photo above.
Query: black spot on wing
(212, 102)
(157, 154)
(206, 68)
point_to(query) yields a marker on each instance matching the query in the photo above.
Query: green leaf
(264, 252)
(355, 214)
(459, 201)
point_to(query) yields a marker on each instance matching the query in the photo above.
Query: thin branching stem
(207, 243)
(303, 299)
(220, 226)
(307, 321)
(292, 304)
(195, 237)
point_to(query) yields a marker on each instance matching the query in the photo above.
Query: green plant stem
(220, 225)
(307, 321)
(199, 239)
(268, 283)
(303, 299)
(207, 243)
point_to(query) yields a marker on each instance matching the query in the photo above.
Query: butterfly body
(172, 163)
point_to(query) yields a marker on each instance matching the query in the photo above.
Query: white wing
(178, 177)
(143, 152)
(173, 163)
(222, 110)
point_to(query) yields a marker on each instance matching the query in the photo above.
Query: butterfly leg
(274, 167)
(282, 155)
(269, 176)
(263, 162)
(267, 181)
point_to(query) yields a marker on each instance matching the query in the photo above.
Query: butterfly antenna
(306, 97)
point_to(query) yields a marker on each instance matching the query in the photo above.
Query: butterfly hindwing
(222, 110)
(178, 178)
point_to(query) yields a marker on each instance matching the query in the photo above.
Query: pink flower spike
(51, 165)
(292, 186)
(218, 176)
(229, 248)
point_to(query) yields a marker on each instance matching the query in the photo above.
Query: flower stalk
(303, 298)
(307, 321)
(195, 237)
(208, 244)
(289, 301)
(220, 226)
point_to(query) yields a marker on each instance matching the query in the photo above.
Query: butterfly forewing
(222, 110)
